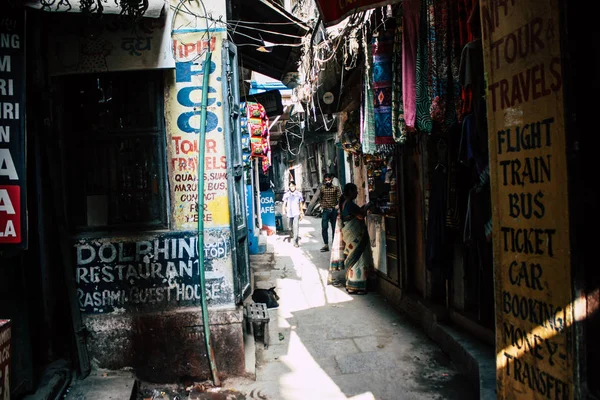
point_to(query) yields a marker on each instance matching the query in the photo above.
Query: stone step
(262, 258)
(262, 266)
(104, 384)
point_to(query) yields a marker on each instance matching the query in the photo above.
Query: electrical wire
(207, 33)
(262, 23)
(272, 32)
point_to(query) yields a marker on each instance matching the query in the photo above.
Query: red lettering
(555, 71)
(504, 94)
(537, 80)
(533, 83)
(176, 139)
(211, 146)
(525, 83)
(516, 92)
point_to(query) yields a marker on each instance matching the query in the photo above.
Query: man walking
(329, 196)
(293, 204)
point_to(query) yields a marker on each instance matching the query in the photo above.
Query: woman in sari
(351, 248)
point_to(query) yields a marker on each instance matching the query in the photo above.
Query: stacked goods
(255, 134)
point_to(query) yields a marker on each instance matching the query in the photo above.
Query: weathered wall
(140, 294)
(167, 346)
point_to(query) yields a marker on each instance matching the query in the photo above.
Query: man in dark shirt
(329, 196)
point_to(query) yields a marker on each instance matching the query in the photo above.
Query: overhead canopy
(109, 7)
(333, 12)
(263, 23)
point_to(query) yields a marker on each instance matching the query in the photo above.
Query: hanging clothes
(437, 246)
(398, 123)
(472, 76)
(410, 33)
(426, 41)
(470, 30)
(368, 115)
(382, 49)
(444, 55)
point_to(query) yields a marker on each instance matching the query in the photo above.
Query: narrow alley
(326, 344)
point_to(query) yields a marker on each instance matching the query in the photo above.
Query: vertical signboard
(5, 359)
(183, 124)
(528, 166)
(267, 211)
(13, 212)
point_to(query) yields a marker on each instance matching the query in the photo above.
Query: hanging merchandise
(246, 155)
(257, 127)
(423, 118)
(368, 117)
(376, 167)
(445, 55)
(398, 123)
(350, 137)
(256, 110)
(410, 33)
(255, 135)
(382, 48)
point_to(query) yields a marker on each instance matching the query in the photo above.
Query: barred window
(114, 150)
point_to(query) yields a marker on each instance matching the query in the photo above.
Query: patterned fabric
(398, 123)
(336, 261)
(368, 117)
(410, 33)
(423, 81)
(358, 256)
(382, 48)
(329, 196)
(438, 56)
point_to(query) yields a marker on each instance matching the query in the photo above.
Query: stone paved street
(326, 344)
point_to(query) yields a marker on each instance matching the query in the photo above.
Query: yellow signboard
(528, 167)
(183, 107)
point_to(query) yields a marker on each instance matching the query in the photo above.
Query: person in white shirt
(293, 207)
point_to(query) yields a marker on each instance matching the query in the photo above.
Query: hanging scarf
(446, 98)
(368, 123)
(423, 81)
(398, 123)
(410, 34)
(438, 68)
(382, 48)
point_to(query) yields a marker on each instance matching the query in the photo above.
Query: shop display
(255, 135)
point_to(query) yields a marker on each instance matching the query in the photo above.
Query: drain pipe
(201, 149)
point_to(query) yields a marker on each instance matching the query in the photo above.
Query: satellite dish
(328, 98)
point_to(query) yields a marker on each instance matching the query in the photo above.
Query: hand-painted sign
(5, 357)
(152, 274)
(183, 125)
(333, 12)
(267, 211)
(13, 211)
(534, 309)
(78, 45)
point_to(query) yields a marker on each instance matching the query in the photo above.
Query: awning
(110, 7)
(333, 12)
(267, 36)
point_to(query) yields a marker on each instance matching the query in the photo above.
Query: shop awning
(267, 36)
(333, 12)
(154, 10)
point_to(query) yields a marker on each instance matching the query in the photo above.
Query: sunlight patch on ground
(304, 368)
(364, 396)
(313, 291)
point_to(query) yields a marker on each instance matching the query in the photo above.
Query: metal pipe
(257, 193)
(201, 150)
